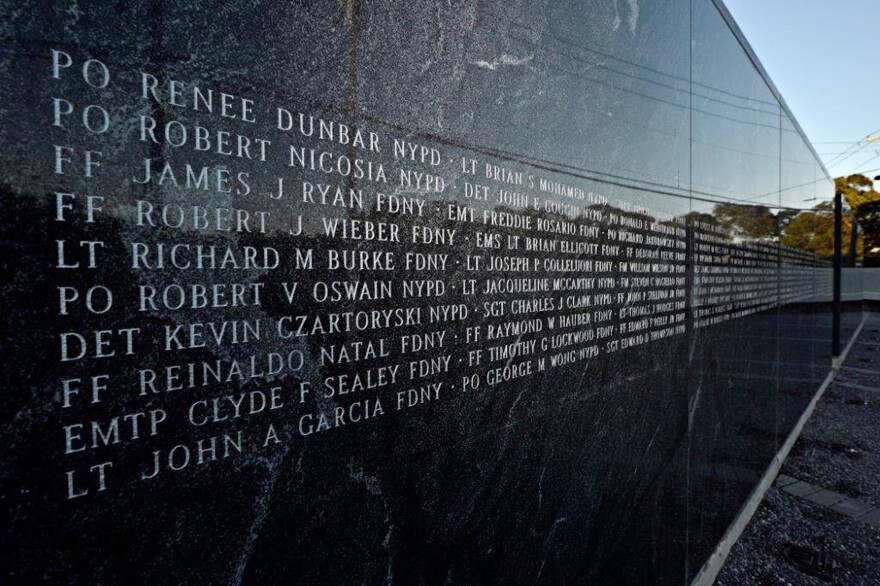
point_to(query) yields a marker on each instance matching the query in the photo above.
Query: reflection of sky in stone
(736, 133)
(600, 88)
(799, 168)
(579, 89)
(560, 85)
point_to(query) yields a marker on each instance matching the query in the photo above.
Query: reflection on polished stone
(410, 292)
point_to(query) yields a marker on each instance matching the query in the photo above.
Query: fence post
(838, 262)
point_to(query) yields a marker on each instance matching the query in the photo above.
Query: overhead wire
(877, 156)
(858, 145)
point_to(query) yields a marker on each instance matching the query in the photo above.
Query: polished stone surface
(498, 292)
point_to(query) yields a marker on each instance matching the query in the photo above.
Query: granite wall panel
(415, 292)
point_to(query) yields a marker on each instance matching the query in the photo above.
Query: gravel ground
(839, 449)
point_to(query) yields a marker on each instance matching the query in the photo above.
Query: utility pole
(838, 261)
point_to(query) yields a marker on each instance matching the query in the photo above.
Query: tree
(857, 189)
(864, 201)
(869, 220)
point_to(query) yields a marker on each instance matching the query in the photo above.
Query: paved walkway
(820, 523)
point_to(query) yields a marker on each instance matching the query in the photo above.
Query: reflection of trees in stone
(809, 230)
(783, 219)
(701, 217)
(813, 230)
(746, 222)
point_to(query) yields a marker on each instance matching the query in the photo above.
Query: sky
(824, 57)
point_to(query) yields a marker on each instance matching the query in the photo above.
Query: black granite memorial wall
(395, 292)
